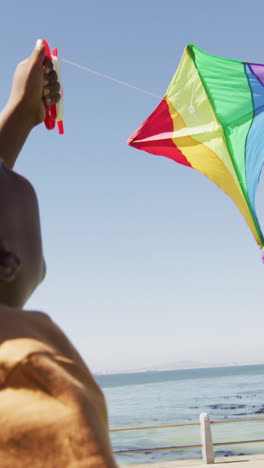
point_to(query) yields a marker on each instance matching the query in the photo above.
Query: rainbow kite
(212, 119)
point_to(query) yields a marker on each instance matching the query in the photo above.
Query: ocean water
(178, 397)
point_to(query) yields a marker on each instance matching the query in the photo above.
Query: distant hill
(177, 365)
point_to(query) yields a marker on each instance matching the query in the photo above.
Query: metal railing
(207, 445)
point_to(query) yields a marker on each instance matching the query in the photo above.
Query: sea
(158, 398)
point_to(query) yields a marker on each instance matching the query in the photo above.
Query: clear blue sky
(148, 262)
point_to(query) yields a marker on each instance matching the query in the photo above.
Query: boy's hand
(35, 84)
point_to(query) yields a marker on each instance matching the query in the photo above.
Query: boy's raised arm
(34, 86)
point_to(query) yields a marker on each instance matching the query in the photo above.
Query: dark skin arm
(34, 85)
(52, 412)
(22, 267)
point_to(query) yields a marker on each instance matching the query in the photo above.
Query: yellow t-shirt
(52, 412)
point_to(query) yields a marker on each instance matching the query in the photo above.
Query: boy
(52, 412)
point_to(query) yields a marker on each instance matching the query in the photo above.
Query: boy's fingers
(50, 100)
(39, 44)
(51, 90)
(51, 77)
(48, 65)
(39, 51)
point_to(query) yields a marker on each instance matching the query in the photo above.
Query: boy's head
(21, 260)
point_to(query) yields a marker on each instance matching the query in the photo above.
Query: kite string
(124, 83)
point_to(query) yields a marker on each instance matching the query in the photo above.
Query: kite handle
(54, 113)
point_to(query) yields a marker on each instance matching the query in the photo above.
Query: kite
(212, 119)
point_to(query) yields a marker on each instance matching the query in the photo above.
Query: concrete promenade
(250, 461)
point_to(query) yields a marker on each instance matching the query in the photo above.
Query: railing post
(206, 439)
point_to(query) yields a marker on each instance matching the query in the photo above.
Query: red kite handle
(51, 112)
